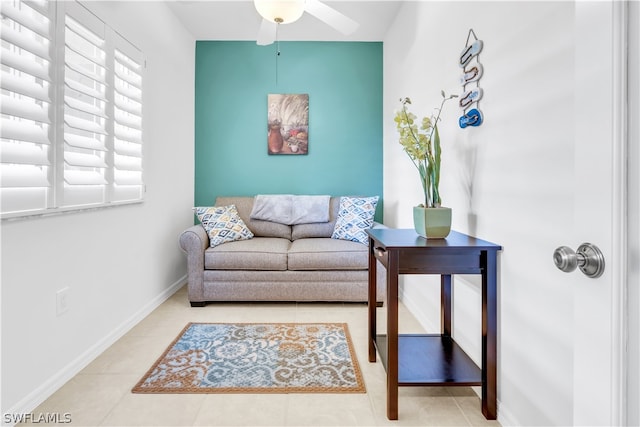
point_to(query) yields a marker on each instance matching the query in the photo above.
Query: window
(71, 134)
(27, 112)
(127, 128)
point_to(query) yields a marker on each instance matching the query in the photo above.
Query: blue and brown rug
(257, 358)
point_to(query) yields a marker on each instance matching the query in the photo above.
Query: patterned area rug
(257, 358)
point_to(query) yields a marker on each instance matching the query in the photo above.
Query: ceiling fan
(276, 12)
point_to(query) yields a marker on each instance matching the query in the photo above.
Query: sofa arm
(194, 241)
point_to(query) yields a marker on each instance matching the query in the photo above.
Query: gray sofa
(281, 262)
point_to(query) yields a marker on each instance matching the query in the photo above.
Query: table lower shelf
(427, 360)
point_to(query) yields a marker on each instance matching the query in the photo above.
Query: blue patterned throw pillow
(355, 215)
(223, 224)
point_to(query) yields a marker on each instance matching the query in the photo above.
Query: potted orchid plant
(422, 145)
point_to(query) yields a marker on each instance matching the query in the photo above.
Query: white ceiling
(239, 20)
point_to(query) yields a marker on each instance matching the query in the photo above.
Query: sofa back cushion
(244, 205)
(318, 229)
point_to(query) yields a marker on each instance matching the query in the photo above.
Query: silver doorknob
(588, 258)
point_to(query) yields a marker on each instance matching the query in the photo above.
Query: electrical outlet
(62, 301)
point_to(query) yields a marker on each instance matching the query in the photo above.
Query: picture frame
(288, 124)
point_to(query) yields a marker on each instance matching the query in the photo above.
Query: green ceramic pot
(432, 223)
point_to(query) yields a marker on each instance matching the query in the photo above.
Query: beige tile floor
(100, 395)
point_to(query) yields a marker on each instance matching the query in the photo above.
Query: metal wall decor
(288, 124)
(470, 81)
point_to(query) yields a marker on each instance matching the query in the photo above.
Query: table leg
(445, 304)
(392, 335)
(489, 334)
(372, 299)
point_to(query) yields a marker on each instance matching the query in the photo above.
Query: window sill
(17, 216)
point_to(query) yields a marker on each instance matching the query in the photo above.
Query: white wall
(504, 181)
(118, 262)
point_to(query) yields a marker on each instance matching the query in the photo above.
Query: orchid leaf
(422, 145)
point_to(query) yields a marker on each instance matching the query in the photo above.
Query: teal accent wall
(344, 83)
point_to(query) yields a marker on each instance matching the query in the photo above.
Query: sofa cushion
(223, 224)
(259, 253)
(324, 253)
(320, 229)
(260, 228)
(355, 215)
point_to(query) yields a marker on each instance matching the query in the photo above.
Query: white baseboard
(50, 386)
(505, 417)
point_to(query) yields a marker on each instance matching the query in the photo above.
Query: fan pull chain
(277, 49)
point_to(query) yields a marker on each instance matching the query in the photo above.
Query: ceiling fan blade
(267, 33)
(331, 17)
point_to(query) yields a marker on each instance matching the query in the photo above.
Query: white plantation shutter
(127, 145)
(26, 106)
(71, 131)
(85, 108)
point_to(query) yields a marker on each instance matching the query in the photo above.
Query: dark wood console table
(433, 359)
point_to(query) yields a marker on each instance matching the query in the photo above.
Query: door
(599, 211)
(633, 219)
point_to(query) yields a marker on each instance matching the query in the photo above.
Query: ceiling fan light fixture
(280, 11)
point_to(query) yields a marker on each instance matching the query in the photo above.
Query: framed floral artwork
(288, 124)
